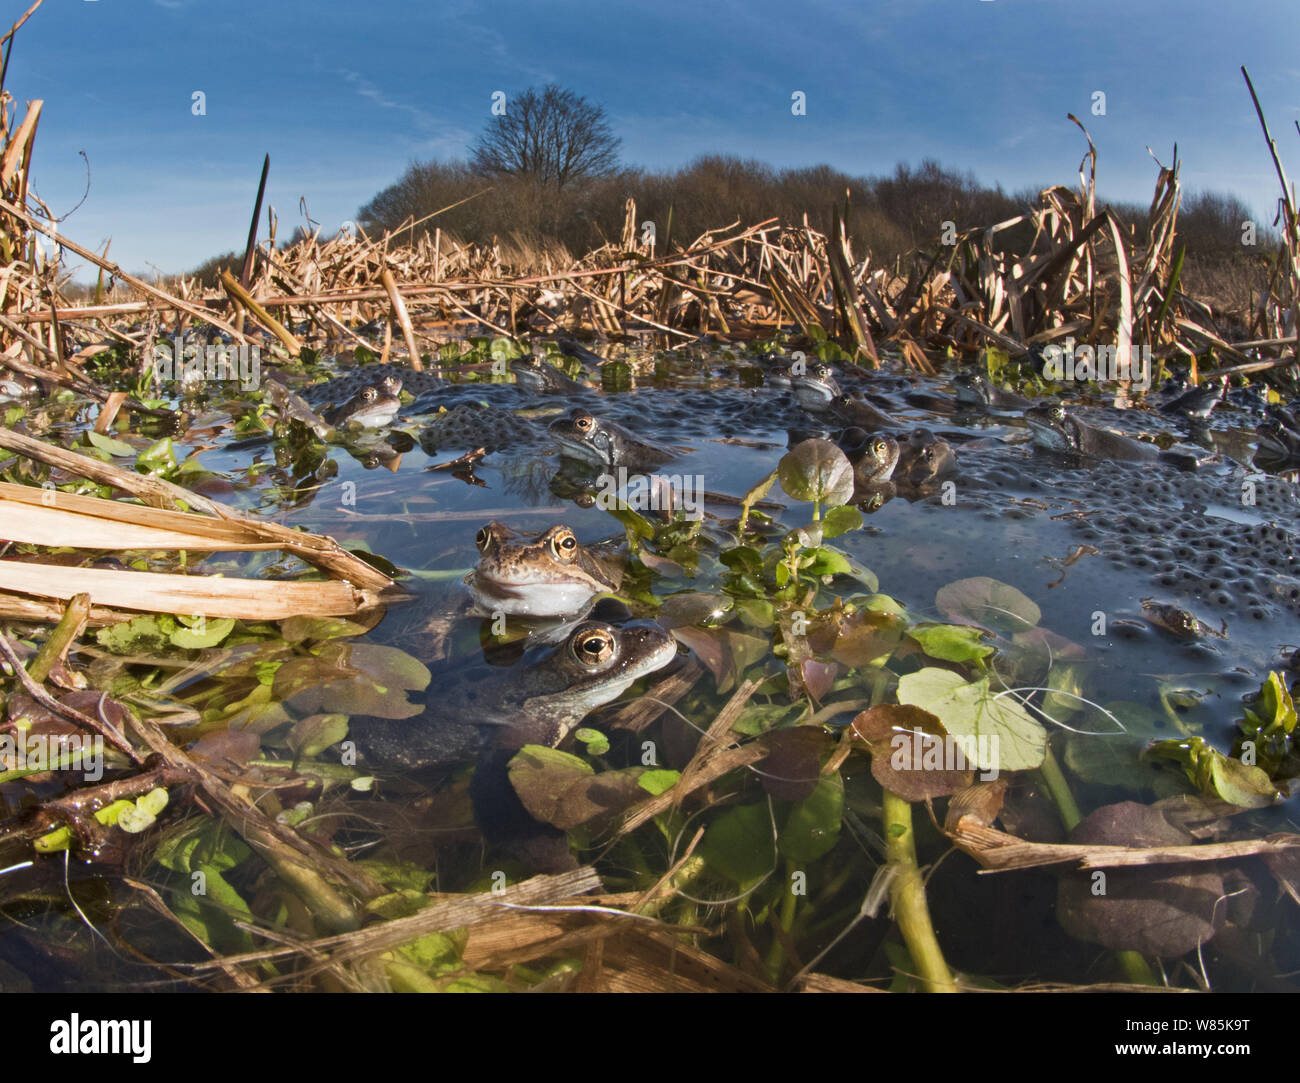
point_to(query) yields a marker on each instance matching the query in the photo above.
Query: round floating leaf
(817, 470)
(951, 642)
(597, 743)
(996, 733)
(841, 520)
(988, 602)
(153, 802)
(205, 633)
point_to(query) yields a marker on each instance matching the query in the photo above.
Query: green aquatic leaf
(116, 448)
(299, 629)
(203, 633)
(738, 844)
(160, 457)
(817, 470)
(658, 780)
(990, 603)
(813, 827)
(310, 736)
(565, 791)
(995, 733)
(140, 635)
(1215, 774)
(1066, 680)
(951, 642)
(597, 743)
(841, 520)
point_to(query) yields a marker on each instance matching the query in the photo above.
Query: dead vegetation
(1083, 274)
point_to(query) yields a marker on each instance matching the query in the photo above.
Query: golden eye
(369, 394)
(593, 647)
(564, 544)
(483, 538)
(583, 422)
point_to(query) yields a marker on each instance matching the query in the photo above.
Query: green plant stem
(1136, 967)
(70, 625)
(1059, 788)
(789, 904)
(908, 897)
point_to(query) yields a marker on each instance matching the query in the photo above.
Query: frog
(924, 459)
(539, 700)
(374, 406)
(538, 376)
(552, 575)
(861, 414)
(1055, 429)
(341, 388)
(1198, 402)
(588, 439)
(976, 389)
(816, 388)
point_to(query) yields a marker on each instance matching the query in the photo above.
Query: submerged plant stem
(1060, 791)
(908, 897)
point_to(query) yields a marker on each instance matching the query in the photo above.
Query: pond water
(1095, 548)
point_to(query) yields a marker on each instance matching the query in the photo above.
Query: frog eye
(369, 394)
(583, 422)
(564, 544)
(879, 447)
(593, 646)
(483, 538)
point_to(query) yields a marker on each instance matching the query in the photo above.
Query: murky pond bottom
(1036, 581)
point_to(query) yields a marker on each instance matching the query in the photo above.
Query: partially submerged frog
(1198, 401)
(1054, 428)
(924, 459)
(816, 388)
(537, 701)
(603, 443)
(861, 413)
(874, 458)
(342, 388)
(1278, 440)
(552, 575)
(373, 406)
(1179, 622)
(539, 377)
(976, 389)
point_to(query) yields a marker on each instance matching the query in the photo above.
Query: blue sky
(345, 96)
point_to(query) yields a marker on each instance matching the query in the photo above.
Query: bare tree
(553, 137)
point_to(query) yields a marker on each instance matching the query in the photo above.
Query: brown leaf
(909, 753)
(982, 800)
(793, 764)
